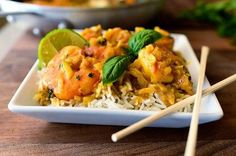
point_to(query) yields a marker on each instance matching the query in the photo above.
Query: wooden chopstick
(148, 120)
(192, 135)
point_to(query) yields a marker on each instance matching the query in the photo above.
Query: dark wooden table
(21, 135)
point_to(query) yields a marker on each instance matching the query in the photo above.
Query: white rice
(125, 101)
(113, 102)
(108, 101)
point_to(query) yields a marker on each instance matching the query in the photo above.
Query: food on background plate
(83, 3)
(114, 68)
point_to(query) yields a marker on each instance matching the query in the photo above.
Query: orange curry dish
(82, 3)
(152, 77)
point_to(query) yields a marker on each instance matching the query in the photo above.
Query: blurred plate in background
(127, 16)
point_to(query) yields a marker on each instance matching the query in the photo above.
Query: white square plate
(23, 103)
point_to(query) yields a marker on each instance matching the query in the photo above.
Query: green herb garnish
(222, 14)
(77, 77)
(114, 67)
(50, 93)
(141, 39)
(90, 75)
(102, 41)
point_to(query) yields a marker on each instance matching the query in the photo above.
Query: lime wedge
(54, 41)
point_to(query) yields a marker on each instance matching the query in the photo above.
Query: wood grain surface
(21, 135)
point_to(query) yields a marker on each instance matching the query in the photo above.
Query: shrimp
(68, 77)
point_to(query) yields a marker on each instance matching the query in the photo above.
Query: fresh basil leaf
(114, 68)
(141, 39)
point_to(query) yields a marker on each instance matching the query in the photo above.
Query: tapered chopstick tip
(205, 49)
(114, 138)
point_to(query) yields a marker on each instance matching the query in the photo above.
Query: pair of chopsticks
(191, 143)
